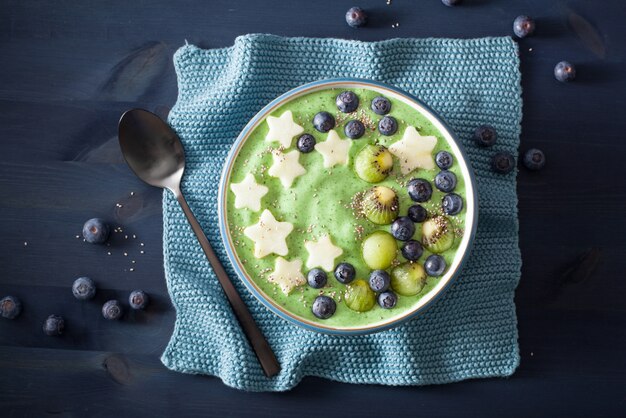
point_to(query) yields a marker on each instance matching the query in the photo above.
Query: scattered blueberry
(112, 310)
(347, 102)
(54, 325)
(381, 105)
(345, 273)
(419, 190)
(485, 136)
(306, 143)
(379, 281)
(84, 288)
(417, 213)
(138, 299)
(503, 162)
(534, 159)
(452, 204)
(323, 307)
(435, 265)
(323, 121)
(388, 125)
(444, 160)
(564, 71)
(10, 307)
(387, 300)
(445, 181)
(523, 26)
(354, 129)
(412, 250)
(403, 228)
(317, 278)
(356, 17)
(451, 3)
(96, 231)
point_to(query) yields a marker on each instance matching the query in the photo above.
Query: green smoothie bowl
(347, 206)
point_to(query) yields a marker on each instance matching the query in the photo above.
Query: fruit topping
(419, 190)
(248, 193)
(381, 105)
(437, 234)
(435, 265)
(359, 297)
(287, 274)
(354, 129)
(334, 150)
(452, 204)
(347, 101)
(403, 228)
(388, 125)
(408, 279)
(373, 163)
(379, 250)
(387, 300)
(323, 122)
(317, 278)
(412, 250)
(417, 213)
(444, 160)
(379, 281)
(306, 143)
(269, 235)
(282, 129)
(322, 253)
(323, 307)
(414, 151)
(445, 181)
(345, 273)
(286, 167)
(380, 205)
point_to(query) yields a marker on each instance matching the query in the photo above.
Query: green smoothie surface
(319, 203)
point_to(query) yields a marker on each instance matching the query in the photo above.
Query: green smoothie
(319, 201)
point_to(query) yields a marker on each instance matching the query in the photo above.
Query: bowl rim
(444, 129)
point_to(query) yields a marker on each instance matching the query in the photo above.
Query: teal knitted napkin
(470, 332)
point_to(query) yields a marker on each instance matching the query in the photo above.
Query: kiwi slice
(373, 163)
(379, 250)
(359, 297)
(437, 234)
(380, 205)
(408, 279)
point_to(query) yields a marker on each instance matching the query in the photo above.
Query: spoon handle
(259, 344)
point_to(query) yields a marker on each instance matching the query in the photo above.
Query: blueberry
(412, 250)
(323, 307)
(445, 181)
(379, 280)
(306, 143)
(317, 278)
(381, 105)
(534, 159)
(138, 299)
(84, 288)
(419, 190)
(523, 26)
(435, 265)
(451, 3)
(452, 204)
(345, 273)
(323, 121)
(485, 136)
(96, 231)
(10, 307)
(347, 101)
(54, 325)
(354, 129)
(502, 162)
(388, 125)
(444, 160)
(112, 310)
(387, 300)
(356, 17)
(417, 213)
(564, 71)
(403, 228)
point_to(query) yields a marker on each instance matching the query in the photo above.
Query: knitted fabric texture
(470, 332)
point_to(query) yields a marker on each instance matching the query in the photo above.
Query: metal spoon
(154, 152)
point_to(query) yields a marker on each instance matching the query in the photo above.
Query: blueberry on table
(412, 250)
(502, 162)
(138, 299)
(316, 278)
(485, 136)
(354, 129)
(435, 265)
(419, 190)
(306, 143)
(345, 273)
(452, 204)
(564, 71)
(96, 231)
(417, 213)
(54, 325)
(10, 307)
(402, 228)
(534, 159)
(323, 307)
(323, 122)
(84, 288)
(451, 3)
(379, 281)
(112, 310)
(381, 105)
(347, 101)
(388, 125)
(444, 160)
(445, 181)
(356, 17)
(523, 26)
(387, 300)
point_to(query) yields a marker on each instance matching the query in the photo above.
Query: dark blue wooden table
(69, 69)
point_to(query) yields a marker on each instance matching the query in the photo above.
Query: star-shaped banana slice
(286, 167)
(283, 129)
(269, 235)
(322, 253)
(414, 151)
(334, 150)
(248, 193)
(287, 274)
